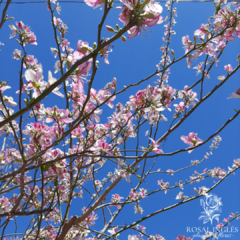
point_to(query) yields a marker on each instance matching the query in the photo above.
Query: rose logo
(212, 208)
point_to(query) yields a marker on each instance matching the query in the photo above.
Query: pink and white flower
(235, 94)
(192, 140)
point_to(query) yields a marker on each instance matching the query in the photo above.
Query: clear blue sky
(129, 63)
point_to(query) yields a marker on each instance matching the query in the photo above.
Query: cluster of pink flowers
(145, 14)
(25, 35)
(222, 19)
(62, 28)
(5, 205)
(152, 101)
(150, 15)
(189, 97)
(134, 195)
(217, 172)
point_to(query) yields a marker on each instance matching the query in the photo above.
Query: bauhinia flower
(192, 140)
(228, 68)
(235, 94)
(52, 80)
(220, 225)
(155, 149)
(180, 195)
(94, 3)
(112, 231)
(149, 14)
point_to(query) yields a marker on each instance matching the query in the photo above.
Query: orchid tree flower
(52, 80)
(192, 140)
(155, 149)
(235, 94)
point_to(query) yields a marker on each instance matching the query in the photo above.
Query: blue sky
(129, 63)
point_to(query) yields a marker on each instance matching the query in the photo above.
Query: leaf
(31, 101)
(59, 165)
(44, 168)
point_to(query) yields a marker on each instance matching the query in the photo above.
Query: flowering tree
(55, 156)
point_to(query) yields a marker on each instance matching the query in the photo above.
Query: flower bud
(110, 29)
(123, 38)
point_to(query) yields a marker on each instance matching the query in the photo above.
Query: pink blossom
(55, 51)
(192, 140)
(94, 3)
(17, 54)
(116, 199)
(163, 185)
(130, 4)
(113, 230)
(4, 87)
(77, 132)
(199, 67)
(10, 101)
(14, 31)
(51, 81)
(58, 115)
(218, 173)
(179, 108)
(235, 94)
(203, 190)
(180, 195)
(228, 68)
(65, 43)
(138, 209)
(57, 21)
(155, 149)
(187, 43)
(229, 34)
(225, 219)
(219, 225)
(5, 205)
(143, 229)
(133, 32)
(150, 17)
(104, 52)
(202, 31)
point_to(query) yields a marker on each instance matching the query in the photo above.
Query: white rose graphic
(212, 208)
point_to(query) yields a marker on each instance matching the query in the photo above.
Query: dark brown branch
(3, 20)
(25, 213)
